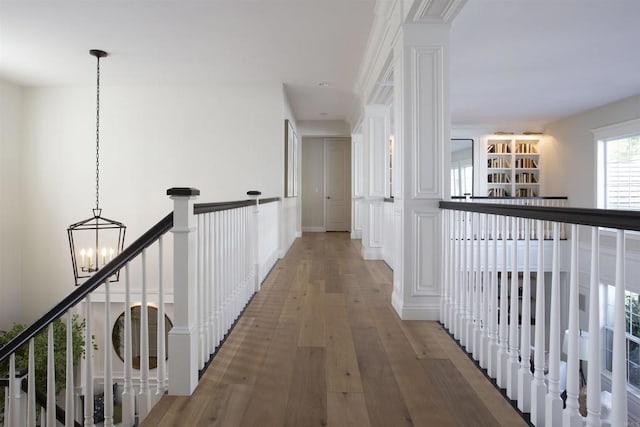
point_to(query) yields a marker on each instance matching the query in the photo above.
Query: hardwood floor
(321, 345)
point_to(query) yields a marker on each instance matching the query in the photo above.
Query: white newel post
(255, 238)
(183, 337)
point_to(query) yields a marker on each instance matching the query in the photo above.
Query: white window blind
(622, 173)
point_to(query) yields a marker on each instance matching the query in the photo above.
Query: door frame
(347, 180)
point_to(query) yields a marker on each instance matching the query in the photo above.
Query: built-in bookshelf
(513, 167)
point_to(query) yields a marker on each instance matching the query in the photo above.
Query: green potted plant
(40, 354)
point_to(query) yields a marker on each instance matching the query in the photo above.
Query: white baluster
(446, 293)
(538, 387)
(457, 315)
(144, 396)
(200, 291)
(69, 404)
(108, 374)
(512, 371)
(207, 288)
(501, 378)
(484, 342)
(256, 243)
(595, 368)
(11, 412)
(128, 393)
(493, 303)
(464, 304)
(571, 415)
(553, 415)
(217, 285)
(211, 300)
(88, 365)
(477, 277)
(471, 297)
(453, 274)
(451, 281)
(31, 387)
(524, 374)
(619, 372)
(51, 378)
(161, 386)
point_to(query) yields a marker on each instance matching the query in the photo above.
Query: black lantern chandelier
(95, 241)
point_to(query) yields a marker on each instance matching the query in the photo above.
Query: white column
(183, 338)
(375, 146)
(421, 148)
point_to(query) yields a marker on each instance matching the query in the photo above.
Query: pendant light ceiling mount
(98, 53)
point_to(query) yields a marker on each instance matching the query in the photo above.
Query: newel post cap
(253, 194)
(183, 191)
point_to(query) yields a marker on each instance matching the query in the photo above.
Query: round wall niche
(117, 336)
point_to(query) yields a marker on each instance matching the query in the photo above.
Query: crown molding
(437, 11)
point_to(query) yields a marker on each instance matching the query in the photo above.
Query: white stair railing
(218, 262)
(489, 308)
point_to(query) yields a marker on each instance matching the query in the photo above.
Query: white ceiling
(526, 61)
(534, 61)
(296, 42)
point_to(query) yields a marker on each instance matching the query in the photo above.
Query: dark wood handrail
(79, 293)
(111, 268)
(608, 218)
(203, 208)
(511, 198)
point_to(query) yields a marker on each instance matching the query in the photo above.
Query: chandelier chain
(98, 134)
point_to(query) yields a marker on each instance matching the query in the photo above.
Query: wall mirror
(461, 167)
(117, 336)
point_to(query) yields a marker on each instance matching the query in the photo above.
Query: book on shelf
(498, 192)
(526, 149)
(499, 148)
(526, 163)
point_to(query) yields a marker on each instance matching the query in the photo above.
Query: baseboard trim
(313, 229)
(415, 312)
(356, 234)
(372, 253)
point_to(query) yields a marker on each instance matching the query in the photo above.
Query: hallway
(320, 344)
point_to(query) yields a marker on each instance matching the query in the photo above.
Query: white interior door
(337, 185)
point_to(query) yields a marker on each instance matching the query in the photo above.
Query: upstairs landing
(320, 344)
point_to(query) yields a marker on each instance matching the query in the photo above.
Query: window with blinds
(621, 164)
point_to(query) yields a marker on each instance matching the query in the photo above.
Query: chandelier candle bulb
(104, 256)
(83, 255)
(90, 255)
(110, 254)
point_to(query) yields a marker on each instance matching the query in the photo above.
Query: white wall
(313, 184)
(222, 140)
(11, 210)
(570, 155)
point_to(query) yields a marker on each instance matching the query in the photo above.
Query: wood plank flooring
(321, 345)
